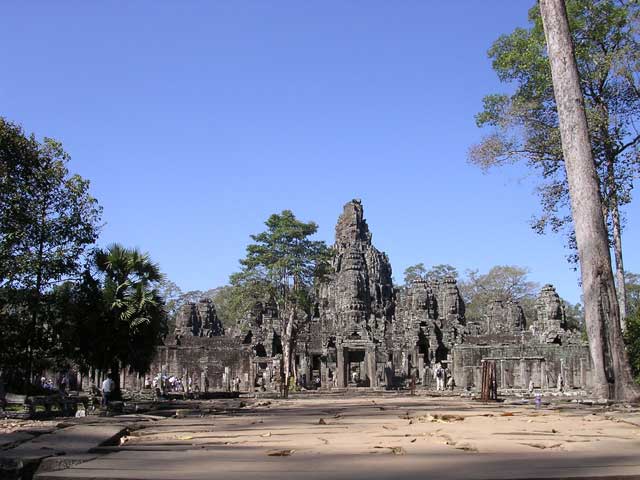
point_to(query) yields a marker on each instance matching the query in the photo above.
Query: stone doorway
(357, 373)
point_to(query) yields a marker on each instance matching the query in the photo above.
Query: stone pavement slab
(249, 464)
(359, 437)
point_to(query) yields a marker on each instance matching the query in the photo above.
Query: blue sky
(195, 121)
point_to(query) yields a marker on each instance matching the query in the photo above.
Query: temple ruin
(364, 332)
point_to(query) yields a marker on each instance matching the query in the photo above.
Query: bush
(632, 339)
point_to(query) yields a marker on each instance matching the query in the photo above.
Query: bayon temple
(364, 332)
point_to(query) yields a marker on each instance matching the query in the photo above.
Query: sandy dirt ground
(378, 436)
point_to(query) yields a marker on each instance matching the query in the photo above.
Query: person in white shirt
(107, 389)
(439, 375)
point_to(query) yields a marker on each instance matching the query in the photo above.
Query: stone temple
(364, 332)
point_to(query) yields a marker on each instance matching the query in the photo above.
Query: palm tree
(134, 308)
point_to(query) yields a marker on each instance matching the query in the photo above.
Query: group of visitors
(47, 383)
(172, 383)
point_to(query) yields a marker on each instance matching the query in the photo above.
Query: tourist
(107, 389)
(451, 383)
(439, 374)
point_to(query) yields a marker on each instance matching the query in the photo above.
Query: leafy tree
(415, 272)
(502, 282)
(524, 126)
(437, 273)
(633, 293)
(135, 318)
(229, 305)
(280, 268)
(575, 316)
(612, 375)
(632, 340)
(171, 293)
(48, 219)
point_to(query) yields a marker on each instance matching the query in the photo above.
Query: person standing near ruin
(439, 375)
(107, 389)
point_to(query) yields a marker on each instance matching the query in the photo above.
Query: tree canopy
(48, 220)
(507, 283)
(435, 274)
(523, 126)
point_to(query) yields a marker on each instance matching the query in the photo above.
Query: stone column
(251, 380)
(543, 375)
(371, 367)
(523, 374)
(305, 370)
(340, 367)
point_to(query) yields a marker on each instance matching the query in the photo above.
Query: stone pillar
(340, 367)
(543, 375)
(405, 363)
(371, 367)
(324, 375)
(477, 377)
(524, 380)
(305, 371)
(227, 379)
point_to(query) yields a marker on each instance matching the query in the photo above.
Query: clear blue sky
(196, 120)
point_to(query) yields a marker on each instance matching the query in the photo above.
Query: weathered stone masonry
(365, 332)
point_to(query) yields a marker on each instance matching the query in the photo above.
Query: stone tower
(198, 320)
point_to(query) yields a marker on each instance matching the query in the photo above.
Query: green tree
(415, 272)
(48, 219)
(524, 126)
(229, 305)
(575, 316)
(280, 268)
(435, 274)
(633, 293)
(611, 372)
(506, 283)
(135, 318)
(632, 341)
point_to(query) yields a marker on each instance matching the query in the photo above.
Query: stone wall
(366, 332)
(200, 357)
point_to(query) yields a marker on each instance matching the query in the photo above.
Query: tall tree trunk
(612, 209)
(116, 393)
(617, 252)
(610, 365)
(287, 350)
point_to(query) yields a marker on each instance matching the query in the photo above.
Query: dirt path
(375, 436)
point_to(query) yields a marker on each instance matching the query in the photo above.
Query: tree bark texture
(612, 375)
